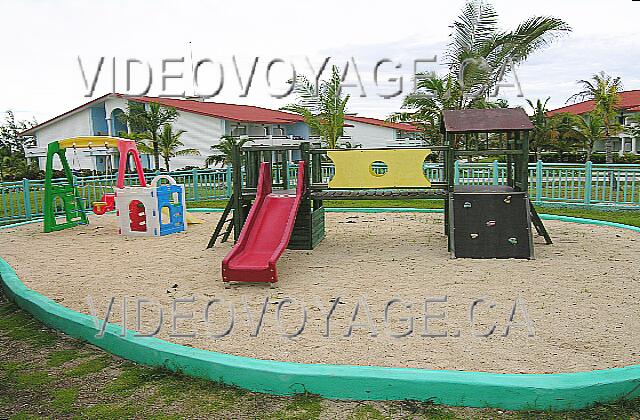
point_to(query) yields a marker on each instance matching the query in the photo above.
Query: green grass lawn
(628, 217)
(44, 374)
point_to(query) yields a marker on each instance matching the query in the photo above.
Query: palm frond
(474, 27)
(187, 152)
(479, 55)
(511, 48)
(322, 107)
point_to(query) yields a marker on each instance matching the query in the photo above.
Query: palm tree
(564, 136)
(150, 121)
(480, 55)
(169, 145)
(224, 150)
(591, 128)
(604, 92)
(540, 135)
(322, 107)
(433, 95)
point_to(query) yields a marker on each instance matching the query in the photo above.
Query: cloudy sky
(40, 75)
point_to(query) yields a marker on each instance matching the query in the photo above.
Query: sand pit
(575, 305)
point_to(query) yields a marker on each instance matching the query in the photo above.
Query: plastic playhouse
(142, 210)
(156, 210)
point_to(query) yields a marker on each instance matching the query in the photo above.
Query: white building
(204, 123)
(373, 133)
(629, 105)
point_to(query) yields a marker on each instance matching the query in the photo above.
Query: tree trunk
(166, 163)
(608, 148)
(156, 152)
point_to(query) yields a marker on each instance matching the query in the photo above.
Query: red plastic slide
(265, 234)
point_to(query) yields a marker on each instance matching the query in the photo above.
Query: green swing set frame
(68, 192)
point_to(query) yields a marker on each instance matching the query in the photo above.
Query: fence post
(456, 172)
(538, 181)
(496, 172)
(588, 177)
(195, 184)
(229, 181)
(27, 201)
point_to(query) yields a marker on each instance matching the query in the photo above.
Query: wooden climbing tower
(399, 173)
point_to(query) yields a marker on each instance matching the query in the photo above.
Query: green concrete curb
(457, 388)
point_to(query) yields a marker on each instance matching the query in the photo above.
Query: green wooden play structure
(66, 192)
(389, 174)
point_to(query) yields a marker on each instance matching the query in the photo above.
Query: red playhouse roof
(382, 123)
(629, 101)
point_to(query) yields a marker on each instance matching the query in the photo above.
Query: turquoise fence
(23, 200)
(614, 186)
(587, 184)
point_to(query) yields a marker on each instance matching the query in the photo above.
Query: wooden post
(305, 155)
(316, 176)
(449, 163)
(517, 162)
(238, 217)
(285, 168)
(248, 160)
(228, 179)
(509, 160)
(449, 159)
(524, 162)
(456, 172)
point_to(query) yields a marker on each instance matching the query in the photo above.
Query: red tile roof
(629, 101)
(232, 112)
(382, 123)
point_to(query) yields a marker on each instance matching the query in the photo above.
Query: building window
(239, 131)
(117, 125)
(98, 121)
(278, 131)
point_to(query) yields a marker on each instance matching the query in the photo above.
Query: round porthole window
(378, 168)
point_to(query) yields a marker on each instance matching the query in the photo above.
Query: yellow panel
(89, 141)
(404, 168)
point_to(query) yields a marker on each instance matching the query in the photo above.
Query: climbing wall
(489, 222)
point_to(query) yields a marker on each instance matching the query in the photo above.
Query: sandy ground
(574, 308)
